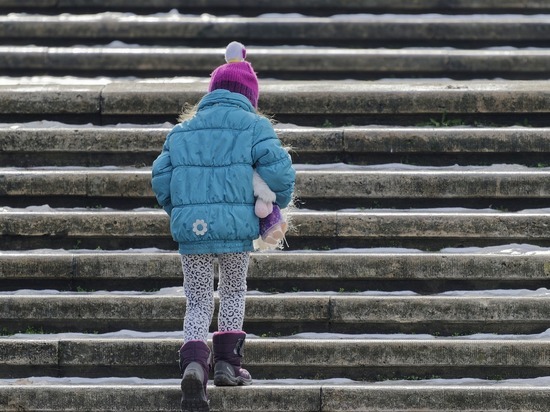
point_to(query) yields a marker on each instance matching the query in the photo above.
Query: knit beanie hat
(237, 75)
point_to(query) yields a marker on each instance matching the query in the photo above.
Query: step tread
(65, 145)
(425, 229)
(325, 182)
(83, 222)
(523, 6)
(511, 312)
(358, 359)
(291, 395)
(300, 98)
(353, 270)
(276, 61)
(66, 138)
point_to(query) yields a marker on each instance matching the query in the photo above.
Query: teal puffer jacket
(203, 176)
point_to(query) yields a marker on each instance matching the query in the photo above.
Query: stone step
(107, 101)
(278, 358)
(288, 6)
(278, 62)
(445, 102)
(277, 396)
(287, 313)
(431, 229)
(25, 145)
(359, 30)
(324, 188)
(510, 267)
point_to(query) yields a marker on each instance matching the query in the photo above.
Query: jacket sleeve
(161, 177)
(273, 162)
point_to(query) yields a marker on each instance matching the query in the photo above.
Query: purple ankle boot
(228, 352)
(194, 365)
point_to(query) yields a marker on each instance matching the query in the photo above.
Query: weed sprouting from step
(524, 123)
(409, 378)
(495, 378)
(80, 289)
(271, 335)
(31, 330)
(443, 122)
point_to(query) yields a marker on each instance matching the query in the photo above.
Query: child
(203, 180)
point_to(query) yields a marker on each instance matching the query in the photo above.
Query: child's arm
(273, 163)
(161, 177)
(264, 196)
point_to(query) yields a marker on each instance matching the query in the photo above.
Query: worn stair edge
(312, 62)
(528, 6)
(283, 313)
(21, 138)
(158, 397)
(358, 359)
(305, 270)
(100, 139)
(20, 145)
(470, 225)
(364, 101)
(504, 29)
(317, 184)
(104, 145)
(273, 397)
(345, 97)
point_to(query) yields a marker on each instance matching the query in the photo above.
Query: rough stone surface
(268, 314)
(356, 359)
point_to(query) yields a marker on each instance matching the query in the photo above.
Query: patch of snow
(543, 381)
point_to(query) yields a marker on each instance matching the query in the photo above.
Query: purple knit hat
(237, 75)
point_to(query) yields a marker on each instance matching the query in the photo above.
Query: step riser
(361, 360)
(287, 6)
(271, 398)
(123, 230)
(303, 271)
(305, 103)
(477, 31)
(276, 63)
(283, 314)
(101, 146)
(372, 6)
(320, 190)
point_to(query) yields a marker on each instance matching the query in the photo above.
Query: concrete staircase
(417, 274)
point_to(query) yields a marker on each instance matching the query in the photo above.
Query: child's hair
(188, 112)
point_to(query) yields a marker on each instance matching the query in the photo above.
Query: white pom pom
(235, 52)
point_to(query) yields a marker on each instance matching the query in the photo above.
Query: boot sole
(223, 376)
(193, 396)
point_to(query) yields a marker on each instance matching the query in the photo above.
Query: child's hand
(263, 209)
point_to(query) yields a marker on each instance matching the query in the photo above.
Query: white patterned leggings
(198, 285)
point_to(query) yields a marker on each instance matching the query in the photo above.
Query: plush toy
(273, 225)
